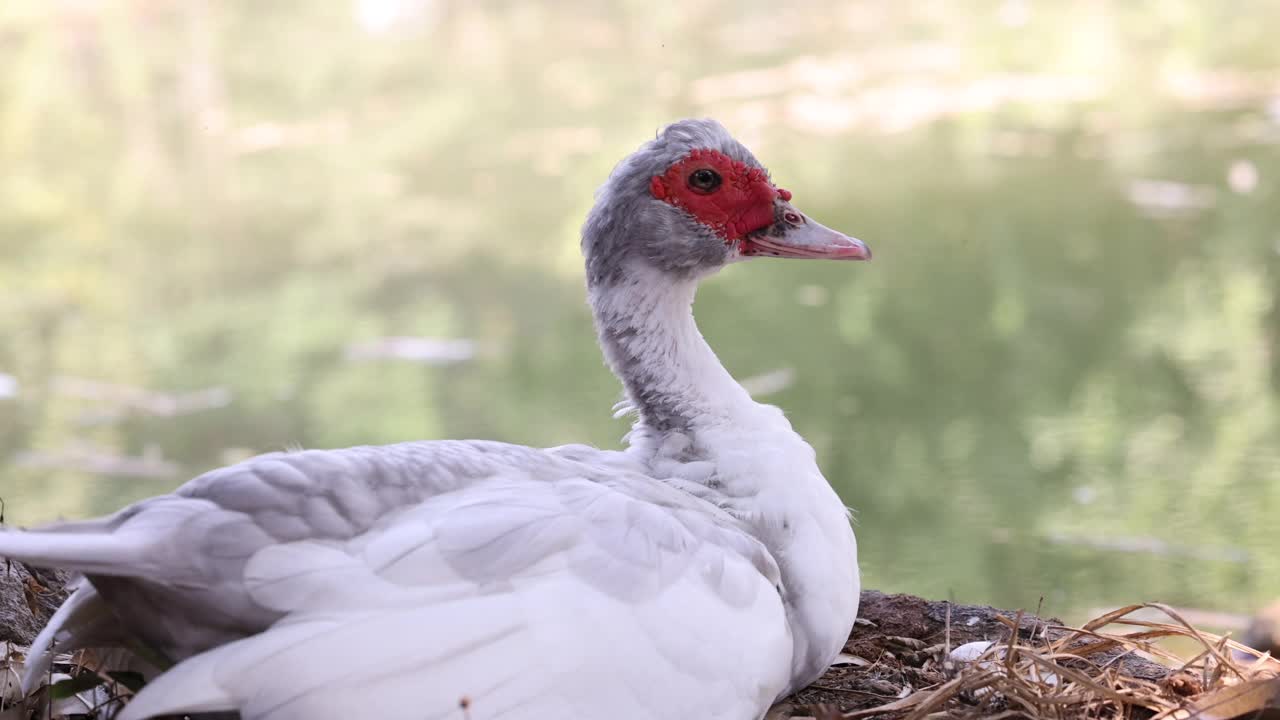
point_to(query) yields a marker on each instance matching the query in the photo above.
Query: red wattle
(742, 204)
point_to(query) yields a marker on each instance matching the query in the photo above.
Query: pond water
(235, 229)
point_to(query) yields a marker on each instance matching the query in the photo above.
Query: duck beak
(795, 235)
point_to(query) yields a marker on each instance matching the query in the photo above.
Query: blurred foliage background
(230, 227)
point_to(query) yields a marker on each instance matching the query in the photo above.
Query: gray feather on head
(627, 224)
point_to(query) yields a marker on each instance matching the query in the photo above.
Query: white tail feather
(92, 554)
(81, 621)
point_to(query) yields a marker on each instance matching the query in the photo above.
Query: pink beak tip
(855, 250)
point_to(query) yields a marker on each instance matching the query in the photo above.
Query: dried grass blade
(941, 695)
(1253, 699)
(1083, 679)
(905, 703)
(1201, 637)
(1107, 619)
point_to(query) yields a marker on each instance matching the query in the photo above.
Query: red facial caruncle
(728, 196)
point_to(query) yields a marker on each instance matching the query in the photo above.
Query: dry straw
(1113, 667)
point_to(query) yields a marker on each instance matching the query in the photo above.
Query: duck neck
(673, 380)
(762, 473)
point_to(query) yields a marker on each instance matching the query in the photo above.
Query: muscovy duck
(706, 571)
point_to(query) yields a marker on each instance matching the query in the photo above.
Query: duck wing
(436, 580)
(177, 560)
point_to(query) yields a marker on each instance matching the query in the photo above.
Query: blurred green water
(1058, 379)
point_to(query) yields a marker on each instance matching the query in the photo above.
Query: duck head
(693, 200)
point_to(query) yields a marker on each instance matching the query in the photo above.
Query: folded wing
(414, 580)
(569, 598)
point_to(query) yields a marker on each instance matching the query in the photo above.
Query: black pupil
(705, 180)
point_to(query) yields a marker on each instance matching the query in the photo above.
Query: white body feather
(705, 572)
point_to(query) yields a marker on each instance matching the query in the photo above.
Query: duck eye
(704, 180)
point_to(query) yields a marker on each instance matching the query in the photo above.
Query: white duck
(706, 571)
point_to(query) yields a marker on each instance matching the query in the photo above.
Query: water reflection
(1057, 380)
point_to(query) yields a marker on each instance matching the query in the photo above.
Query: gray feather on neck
(643, 260)
(634, 325)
